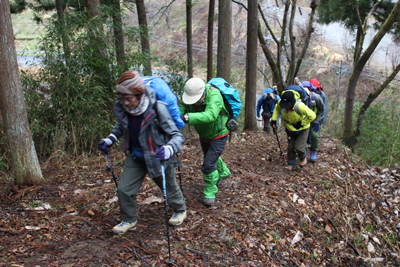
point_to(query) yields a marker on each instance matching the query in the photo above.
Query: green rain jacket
(208, 118)
(305, 115)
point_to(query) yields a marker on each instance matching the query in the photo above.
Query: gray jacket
(158, 128)
(317, 105)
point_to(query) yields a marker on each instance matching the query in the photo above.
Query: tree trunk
(292, 39)
(276, 71)
(310, 30)
(250, 122)
(25, 161)
(144, 35)
(210, 40)
(224, 39)
(189, 40)
(60, 14)
(348, 135)
(371, 98)
(118, 35)
(99, 61)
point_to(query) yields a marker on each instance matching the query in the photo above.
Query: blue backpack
(230, 95)
(164, 94)
(231, 101)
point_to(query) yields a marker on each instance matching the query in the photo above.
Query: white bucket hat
(194, 89)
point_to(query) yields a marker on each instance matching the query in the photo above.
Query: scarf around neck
(140, 109)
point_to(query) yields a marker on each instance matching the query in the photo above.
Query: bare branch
(267, 25)
(162, 10)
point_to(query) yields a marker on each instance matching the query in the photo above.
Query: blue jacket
(259, 103)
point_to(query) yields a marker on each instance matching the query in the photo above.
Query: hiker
(202, 106)
(151, 138)
(297, 117)
(267, 102)
(320, 90)
(317, 105)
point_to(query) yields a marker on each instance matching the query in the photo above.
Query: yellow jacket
(304, 114)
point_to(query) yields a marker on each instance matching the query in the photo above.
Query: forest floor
(335, 212)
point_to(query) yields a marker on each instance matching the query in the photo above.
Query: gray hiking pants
(297, 145)
(131, 180)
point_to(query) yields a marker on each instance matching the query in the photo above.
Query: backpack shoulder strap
(296, 107)
(312, 99)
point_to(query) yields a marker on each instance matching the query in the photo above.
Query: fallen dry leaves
(336, 212)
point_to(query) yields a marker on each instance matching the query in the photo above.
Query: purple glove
(164, 152)
(316, 127)
(107, 142)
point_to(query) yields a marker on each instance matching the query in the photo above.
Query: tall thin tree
(250, 122)
(24, 158)
(99, 61)
(60, 6)
(144, 35)
(189, 38)
(210, 40)
(118, 35)
(224, 39)
(362, 59)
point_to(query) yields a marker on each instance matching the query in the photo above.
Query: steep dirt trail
(336, 212)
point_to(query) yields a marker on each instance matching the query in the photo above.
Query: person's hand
(185, 118)
(164, 152)
(297, 125)
(316, 127)
(106, 142)
(273, 124)
(258, 115)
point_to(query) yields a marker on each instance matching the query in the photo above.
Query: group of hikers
(151, 138)
(304, 108)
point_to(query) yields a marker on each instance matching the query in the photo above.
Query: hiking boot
(123, 227)
(290, 167)
(220, 180)
(303, 162)
(177, 218)
(313, 155)
(208, 201)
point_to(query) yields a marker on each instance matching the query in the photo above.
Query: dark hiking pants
(297, 146)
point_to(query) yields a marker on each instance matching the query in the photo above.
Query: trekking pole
(112, 172)
(277, 138)
(170, 261)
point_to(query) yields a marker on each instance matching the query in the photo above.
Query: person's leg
(291, 153)
(314, 145)
(174, 194)
(314, 140)
(175, 197)
(209, 167)
(309, 139)
(266, 116)
(223, 170)
(300, 146)
(131, 181)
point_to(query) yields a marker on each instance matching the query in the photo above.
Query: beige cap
(194, 89)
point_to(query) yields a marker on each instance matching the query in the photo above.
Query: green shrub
(69, 101)
(379, 141)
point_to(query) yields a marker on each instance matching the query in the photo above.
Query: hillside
(336, 212)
